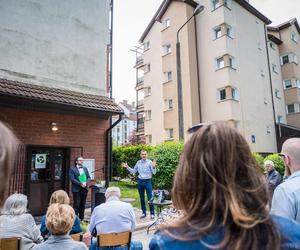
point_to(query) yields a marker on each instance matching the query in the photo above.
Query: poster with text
(40, 161)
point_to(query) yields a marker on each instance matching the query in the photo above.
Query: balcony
(140, 105)
(139, 61)
(140, 126)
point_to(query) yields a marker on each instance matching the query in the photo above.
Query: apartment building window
(220, 63)
(277, 93)
(149, 139)
(146, 45)
(148, 115)
(147, 68)
(272, 45)
(168, 104)
(222, 30)
(290, 58)
(279, 119)
(228, 93)
(287, 84)
(170, 133)
(217, 32)
(222, 94)
(290, 108)
(298, 83)
(168, 76)
(234, 94)
(165, 23)
(167, 49)
(229, 31)
(231, 62)
(294, 37)
(148, 91)
(218, 3)
(274, 68)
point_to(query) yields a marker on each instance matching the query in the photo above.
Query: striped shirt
(20, 226)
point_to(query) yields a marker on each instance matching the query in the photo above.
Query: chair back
(77, 237)
(114, 239)
(13, 243)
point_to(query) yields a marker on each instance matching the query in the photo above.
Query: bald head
(291, 147)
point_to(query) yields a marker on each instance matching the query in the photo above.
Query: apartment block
(288, 43)
(228, 72)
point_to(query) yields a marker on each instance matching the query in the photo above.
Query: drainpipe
(271, 86)
(109, 151)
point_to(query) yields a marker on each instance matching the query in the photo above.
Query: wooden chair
(114, 239)
(13, 243)
(77, 237)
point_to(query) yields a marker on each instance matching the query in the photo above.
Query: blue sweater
(75, 229)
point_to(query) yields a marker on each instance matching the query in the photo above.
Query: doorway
(47, 171)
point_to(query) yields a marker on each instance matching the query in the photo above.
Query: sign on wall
(90, 165)
(40, 161)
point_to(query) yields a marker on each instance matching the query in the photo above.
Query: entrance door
(47, 170)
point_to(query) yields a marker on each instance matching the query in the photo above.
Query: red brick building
(58, 125)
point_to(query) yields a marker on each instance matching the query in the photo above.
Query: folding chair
(114, 239)
(77, 237)
(13, 243)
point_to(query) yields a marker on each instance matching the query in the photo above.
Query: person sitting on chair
(113, 216)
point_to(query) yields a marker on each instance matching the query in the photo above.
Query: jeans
(142, 186)
(134, 245)
(79, 202)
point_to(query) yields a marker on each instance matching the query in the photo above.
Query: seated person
(223, 197)
(61, 197)
(16, 222)
(59, 221)
(113, 216)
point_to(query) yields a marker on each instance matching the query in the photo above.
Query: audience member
(273, 178)
(61, 197)
(16, 222)
(222, 193)
(59, 220)
(113, 216)
(286, 198)
(8, 145)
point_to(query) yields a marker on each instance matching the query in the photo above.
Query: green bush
(167, 156)
(278, 162)
(260, 161)
(129, 154)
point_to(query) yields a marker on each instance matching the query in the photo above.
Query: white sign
(90, 165)
(40, 161)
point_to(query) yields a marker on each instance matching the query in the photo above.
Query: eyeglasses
(282, 155)
(195, 128)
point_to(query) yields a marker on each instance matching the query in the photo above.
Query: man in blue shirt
(145, 168)
(286, 198)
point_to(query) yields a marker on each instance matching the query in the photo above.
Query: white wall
(55, 43)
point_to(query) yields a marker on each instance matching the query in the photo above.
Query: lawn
(128, 190)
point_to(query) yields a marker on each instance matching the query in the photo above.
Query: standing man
(286, 198)
(273, 178)
(145, 169)
(80, 178)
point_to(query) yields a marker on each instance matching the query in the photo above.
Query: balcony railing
(140, 103)
(140, 125)
(139, 59)
(140, 80)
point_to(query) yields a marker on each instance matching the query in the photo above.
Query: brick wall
(33, 127)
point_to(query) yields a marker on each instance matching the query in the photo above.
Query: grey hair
(268, 162)
(112, 191)
(15, 204)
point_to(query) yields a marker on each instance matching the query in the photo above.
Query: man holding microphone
(145, 169)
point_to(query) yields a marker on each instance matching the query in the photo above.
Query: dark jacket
(289, 230)
(273, 179)
(74, 178)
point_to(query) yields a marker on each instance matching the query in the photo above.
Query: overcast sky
(131, 17)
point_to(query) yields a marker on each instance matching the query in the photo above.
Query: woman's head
(8, 145)
(218, 182)
(60, 218)
(59, 196)
(15, 204)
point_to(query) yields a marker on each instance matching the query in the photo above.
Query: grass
(128, 190)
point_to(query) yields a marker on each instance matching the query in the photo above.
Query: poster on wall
(40, 161)
(90, 165)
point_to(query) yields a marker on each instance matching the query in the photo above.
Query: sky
(131, 18)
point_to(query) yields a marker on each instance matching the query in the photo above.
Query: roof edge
(285, 25)
(274, 39)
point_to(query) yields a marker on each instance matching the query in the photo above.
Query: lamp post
(197, 10)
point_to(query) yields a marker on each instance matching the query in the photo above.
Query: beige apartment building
(226, 71)
(288, 44)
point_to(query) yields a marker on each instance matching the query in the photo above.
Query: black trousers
(79, 199)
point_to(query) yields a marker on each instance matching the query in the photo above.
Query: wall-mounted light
(53, 126)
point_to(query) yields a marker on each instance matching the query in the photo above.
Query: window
(279, 119)
(168, 104)
(222, 94)
(231, 62)
(289, 59)
(217, 32)
(216, 4)
(229, 31)
(220, 63)
(168, 76)
(148, 115)
(294, 37)
(148, 91)
(285, 59)
(277, 93)
(170, 133)
(274, 68)
(298, 83)
(147, 68)
(165, 23)
(272, 45)
(234, 94)
(149, 139)
(146, 46)
(290, 108)
(167, 49)
(287, 84)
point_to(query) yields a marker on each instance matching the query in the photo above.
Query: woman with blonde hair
(59, 221)
(61, 197)
(221, 192)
